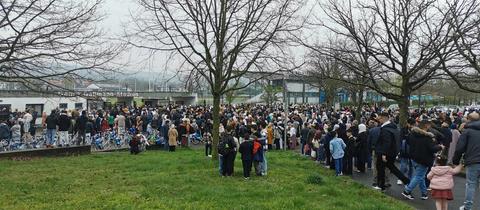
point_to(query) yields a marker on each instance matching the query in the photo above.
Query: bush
(315, 179)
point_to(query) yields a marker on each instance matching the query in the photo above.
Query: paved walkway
(396, 190)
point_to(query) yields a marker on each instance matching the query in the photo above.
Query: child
(441, 182)
(337, 147)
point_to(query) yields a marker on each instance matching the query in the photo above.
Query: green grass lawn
(181, 180)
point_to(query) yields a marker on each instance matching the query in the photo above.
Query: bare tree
(325, 73)
(221, 40)
(463, 66)
(395, 44)
(42, 40)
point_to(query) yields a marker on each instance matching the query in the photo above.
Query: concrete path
(396, 190)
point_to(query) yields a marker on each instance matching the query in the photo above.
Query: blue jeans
(406, 167)
(263, 164)
(51, 136)
(320, 154)
(338, 166)
(418, 178)
(473, 173)
(220, 164)
(369, 160)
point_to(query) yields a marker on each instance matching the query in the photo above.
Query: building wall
(20, 103)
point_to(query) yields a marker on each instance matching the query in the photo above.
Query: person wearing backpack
(406, 166)
(227, 148)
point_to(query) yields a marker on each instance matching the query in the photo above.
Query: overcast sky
(117, 15)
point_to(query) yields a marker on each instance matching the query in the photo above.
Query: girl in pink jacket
(441, 182)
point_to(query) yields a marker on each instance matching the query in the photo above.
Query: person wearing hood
(441, 182)
(468, 146)
(361, 147)
(422, 151)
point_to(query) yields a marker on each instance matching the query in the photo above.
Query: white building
(43, 104)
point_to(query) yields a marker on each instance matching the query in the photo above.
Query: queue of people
(426, 146)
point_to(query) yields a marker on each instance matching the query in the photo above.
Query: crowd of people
(426, 147)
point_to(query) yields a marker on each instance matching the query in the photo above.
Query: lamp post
(285, 110)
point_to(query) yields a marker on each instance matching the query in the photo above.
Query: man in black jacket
(81, 127)
(468, 146)
(246, 149)
(386, 151)
(230, 152)
(422, 152)
(51, 122)
(63, 123)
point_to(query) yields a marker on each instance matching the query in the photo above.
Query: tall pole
(285, 110)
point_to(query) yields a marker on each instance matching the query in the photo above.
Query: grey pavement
(396, 190)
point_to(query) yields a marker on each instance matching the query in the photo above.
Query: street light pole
(285, 110)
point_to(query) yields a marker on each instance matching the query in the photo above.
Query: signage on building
(99, 94)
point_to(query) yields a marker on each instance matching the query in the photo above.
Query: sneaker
(424, 197)
(247, 178)
(377, 188)
(462, 208)
(407, 195)
(399, 182)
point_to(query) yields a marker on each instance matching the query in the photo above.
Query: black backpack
(226, 145)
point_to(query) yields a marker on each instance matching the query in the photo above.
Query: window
(5, 111)
(79, 106)
(38, 108)
(63, 106)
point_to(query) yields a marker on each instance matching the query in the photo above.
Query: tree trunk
(403, 105)
(216, 125)
(359, 105)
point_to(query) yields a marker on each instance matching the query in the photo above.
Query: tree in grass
(46, 40)
(397, 44)
(270, 92)
(219, 40)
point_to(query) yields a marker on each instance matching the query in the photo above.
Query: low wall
(50, 152)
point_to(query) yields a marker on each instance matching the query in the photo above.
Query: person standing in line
(51, 122)
(293, 137)
(337, 148)
(386, 151)
(227, 148)
(81, 127)
(349, 153)
(455, 136)
(246, 150)
(63, 123)
(441, 182)
(304, 138)
(172, 138)
(422, 151)
(258, 155)
(27, 120)
(120, 124)
(361, 148)
(270, 136)
(468, 146)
